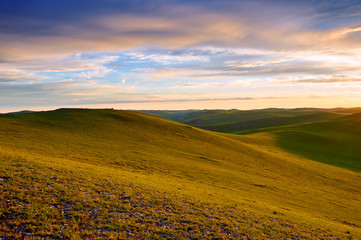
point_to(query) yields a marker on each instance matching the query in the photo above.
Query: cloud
(328, 79)
(234, 64)
(337, 11)
(345, 31)
(237, 62)
(172, 50)
(101, 72)
(219, 85)
(35, 70)
(65, 63)
(167, 59)
(115, 27)
(65, 92)
(121, 31)
(9, 75)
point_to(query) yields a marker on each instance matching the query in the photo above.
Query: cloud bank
(94, 52)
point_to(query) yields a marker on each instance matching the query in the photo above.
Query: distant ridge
(19, 112)
(238, 121)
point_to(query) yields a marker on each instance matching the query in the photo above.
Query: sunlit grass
(246, 182)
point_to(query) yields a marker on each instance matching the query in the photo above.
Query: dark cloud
(25, 17)
(334, 13)
(64, 26)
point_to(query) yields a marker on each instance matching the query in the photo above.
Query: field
(336, 142)
(331, 136)
(239, 121)
(77, 173)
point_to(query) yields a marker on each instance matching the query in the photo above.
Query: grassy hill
(325, 135)
(238, 121)
(336, 142)
(106, 173)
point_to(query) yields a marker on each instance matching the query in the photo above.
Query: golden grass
(155, 154)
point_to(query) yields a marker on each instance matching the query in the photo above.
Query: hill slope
(97, 150)
(238, 121)
(336, 142)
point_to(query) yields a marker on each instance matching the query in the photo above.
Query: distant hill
(237, 121)
(325, 135)
(107, 174)
(23, 111)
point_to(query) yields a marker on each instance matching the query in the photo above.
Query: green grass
(238, 121)
(336, 142)
(214, 185)
(50, 201)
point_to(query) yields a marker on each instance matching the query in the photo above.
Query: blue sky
(179, 54)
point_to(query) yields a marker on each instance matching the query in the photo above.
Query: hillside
(325, 135)
(336, 142)
(238, 121)
(110, 173)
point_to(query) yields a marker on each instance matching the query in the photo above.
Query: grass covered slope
(120, 148)
(336, 142)
(237, 121)
(80, 201)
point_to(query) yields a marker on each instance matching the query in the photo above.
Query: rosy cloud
(175, 27)
(233, 44)
(27, 70)
(124, 31)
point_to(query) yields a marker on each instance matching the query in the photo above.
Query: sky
(173, 54)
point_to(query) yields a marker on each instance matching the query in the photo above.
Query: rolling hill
(238, 121)
(107, 174)
(336, 142)
(326, 135)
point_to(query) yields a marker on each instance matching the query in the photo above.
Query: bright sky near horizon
(173, 54)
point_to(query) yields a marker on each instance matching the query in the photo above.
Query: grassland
(106, 173)
(42, 200)
(336, 142)
(329, 136)
(239, 121)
